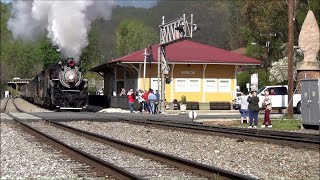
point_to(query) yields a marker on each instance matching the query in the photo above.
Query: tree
(132, 35)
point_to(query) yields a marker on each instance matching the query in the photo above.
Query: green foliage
(49, 55)
(224, 24)
(183, 99)
(133, 35)
(285, 125)
(245, 77)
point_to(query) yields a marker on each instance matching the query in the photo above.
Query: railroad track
(288, 138)
(279, 137)
(167, 165)
(103, 168)
(3, 109)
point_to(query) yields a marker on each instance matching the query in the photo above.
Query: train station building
(201, 72)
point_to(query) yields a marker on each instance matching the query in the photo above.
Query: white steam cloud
(66, 22)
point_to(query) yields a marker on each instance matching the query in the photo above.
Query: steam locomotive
(60, 86)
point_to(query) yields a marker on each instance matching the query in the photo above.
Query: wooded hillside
(223, 23)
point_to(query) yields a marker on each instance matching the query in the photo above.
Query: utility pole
(171, 32)
(290, 57)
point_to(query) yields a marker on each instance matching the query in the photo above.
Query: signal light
(168, 80)
(180, 29)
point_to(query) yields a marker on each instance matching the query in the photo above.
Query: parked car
(236, 102)
(279, 97)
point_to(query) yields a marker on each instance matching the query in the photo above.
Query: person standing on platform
(253, 110)
(146, 100)
(131, 99)
(141, 101)
(157, 102)
(244, 107)
(152, 99)
(123, 92)
(268, 107)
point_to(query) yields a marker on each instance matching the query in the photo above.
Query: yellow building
(200, 72)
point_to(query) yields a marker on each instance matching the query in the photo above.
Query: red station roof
(193, 53)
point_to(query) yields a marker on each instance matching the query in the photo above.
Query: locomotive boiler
(60, 86)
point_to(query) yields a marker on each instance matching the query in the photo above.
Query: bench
(192, 105)
(223, 105)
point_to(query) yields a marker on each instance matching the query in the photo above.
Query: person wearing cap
(253, 109)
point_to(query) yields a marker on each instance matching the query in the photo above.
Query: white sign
(188, 72)
(181, 85)
(187, 85)
(210, 85)
(254, 81)
(154, 84)
(192, 115)
(194, 85)
(6, 94)
(224, 85)
(248, 85)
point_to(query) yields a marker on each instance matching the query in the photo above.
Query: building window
(154, 84)
(187, 85)
(210, 85)
(224, 85)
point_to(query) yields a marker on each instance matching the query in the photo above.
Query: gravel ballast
(258, 159)
(139, 165)
(28, 107)
(23, 157)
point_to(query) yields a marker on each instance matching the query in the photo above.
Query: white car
(279, 97)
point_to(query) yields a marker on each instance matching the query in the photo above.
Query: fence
(122, 102)
(98, 100)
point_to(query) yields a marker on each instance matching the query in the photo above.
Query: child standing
(268, 105)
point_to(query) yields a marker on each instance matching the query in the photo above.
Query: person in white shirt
(152, 99)
(244, 107)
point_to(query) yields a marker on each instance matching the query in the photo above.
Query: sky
(135, 3)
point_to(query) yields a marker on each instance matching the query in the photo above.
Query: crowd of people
(249, 109)
(148, 100)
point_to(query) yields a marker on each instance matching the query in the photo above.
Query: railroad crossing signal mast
(171, 32)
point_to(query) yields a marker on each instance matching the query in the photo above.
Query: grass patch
(285, 124)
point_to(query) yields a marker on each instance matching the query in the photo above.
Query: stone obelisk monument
(309, 43)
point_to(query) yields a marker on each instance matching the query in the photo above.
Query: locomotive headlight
(71, 77)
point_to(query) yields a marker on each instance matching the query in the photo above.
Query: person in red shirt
(145, 97)
(131, 99)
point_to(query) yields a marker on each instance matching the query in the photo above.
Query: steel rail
(266, 134)
(257, 131)
(104, 168)
(195, 167)
(5, 105)
(260, 133)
